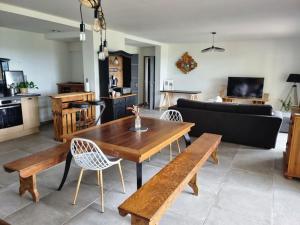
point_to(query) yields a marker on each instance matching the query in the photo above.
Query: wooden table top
(181, 92)
(114, 138)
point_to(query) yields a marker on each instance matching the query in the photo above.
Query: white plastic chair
(88, 156)
(174, 116)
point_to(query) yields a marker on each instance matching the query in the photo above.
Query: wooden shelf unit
(64, 117)
(291, 157)
(255, 101)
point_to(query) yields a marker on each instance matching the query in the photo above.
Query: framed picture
(168, 85)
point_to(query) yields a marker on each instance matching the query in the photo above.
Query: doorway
(149, 82)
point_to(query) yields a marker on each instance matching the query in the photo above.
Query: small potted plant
(23, 86)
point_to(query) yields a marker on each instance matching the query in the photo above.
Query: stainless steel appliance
(123, 90)
(10, 113)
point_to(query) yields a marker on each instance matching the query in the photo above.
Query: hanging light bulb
(82, 27)
(82, 32)
(105, 49)
(97, 23)
(101, 55)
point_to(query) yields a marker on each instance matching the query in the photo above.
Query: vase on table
(137, 123)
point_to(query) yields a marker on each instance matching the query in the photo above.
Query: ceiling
(21, 22)
(179, 21)
(137, 43)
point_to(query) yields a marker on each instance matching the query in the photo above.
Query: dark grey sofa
(253, 125)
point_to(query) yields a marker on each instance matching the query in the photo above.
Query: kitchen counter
(19, 96)
(122, 96)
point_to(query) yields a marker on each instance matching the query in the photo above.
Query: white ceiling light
(213, 48)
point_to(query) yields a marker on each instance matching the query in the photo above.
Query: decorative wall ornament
(186, 63)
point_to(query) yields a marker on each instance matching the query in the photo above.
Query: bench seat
(29, 166)
(148, 204)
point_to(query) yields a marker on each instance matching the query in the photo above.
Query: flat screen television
(245, 87)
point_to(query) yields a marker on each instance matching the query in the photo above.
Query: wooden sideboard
(291, 157)
(70, 87)
(256, 101)
(64, 116)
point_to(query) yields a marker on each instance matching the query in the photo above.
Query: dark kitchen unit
(3, 67)
(118, 84)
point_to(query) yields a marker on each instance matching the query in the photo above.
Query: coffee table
(115, 139)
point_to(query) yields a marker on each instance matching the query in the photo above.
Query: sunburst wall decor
(186, 63)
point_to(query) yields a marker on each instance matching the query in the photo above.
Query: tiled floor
(247, 187)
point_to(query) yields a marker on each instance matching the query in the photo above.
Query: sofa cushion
(210, 106)
(226, 107)
(265, 110)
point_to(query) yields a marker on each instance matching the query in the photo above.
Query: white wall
(144, 51)
(271, 59)
(76, 61)
(132, 49)
(44, 62)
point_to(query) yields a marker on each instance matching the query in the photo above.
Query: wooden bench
(149, 203)
(2, 222)
(29, 166)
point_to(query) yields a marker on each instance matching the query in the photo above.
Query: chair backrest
(172, 115)
(88, 155)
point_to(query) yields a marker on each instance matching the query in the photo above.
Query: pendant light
(98, 25)
(213, 48)
(82, 26)
(116, 61)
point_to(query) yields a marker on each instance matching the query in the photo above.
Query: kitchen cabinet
(116, 108)
(291, 156)
(30, 112)
(20, 116)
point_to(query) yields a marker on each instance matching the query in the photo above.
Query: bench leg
(29, 184)
(215, 157)
(193, 184)
(140, 221)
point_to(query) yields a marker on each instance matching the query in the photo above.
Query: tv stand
(256, 101)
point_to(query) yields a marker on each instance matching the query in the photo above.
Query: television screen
(245, 87)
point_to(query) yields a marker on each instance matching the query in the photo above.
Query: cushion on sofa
(210, 106)
(226, 107)
(265, 110)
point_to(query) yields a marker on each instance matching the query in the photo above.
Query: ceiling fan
(213, 48)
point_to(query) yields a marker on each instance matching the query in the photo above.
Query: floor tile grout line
(220, 188)
(80, 211)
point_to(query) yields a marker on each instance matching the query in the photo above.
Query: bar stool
(83, 120)
(98, 103)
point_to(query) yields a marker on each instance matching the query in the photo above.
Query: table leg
(139, 175)
(67, 167)
(187, 139)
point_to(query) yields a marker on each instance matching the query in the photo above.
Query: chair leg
(171, 152)
(78, 186)
(122, 178)
(179, 150)
(98, 177)
(101, 192)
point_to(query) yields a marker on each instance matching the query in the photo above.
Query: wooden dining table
(115, 139)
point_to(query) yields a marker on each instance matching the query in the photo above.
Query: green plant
(27, 84)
